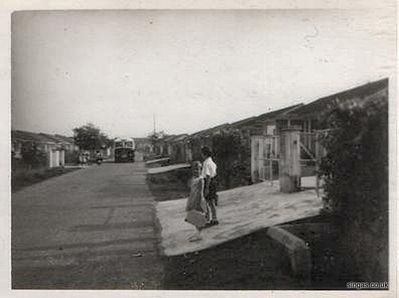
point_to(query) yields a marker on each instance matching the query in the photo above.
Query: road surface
(94, 228)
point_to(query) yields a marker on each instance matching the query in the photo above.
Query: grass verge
(20, 180)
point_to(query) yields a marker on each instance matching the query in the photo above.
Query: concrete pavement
(241, 211)
(93, 228)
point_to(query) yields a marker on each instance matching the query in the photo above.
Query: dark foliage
(89, 137)
(231, 151)
(32, 156)
(356, 183)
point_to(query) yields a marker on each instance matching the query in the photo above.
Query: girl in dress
(196, 205)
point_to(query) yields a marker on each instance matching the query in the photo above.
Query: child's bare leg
(196, 236)
(212, 208)
(208, 211)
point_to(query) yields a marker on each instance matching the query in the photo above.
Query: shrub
(232, 154)
(355, 171)
(33, 156)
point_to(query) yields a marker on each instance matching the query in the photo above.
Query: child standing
(209, 173)
(196, 206)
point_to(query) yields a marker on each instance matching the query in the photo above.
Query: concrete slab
(170, 168)
(297, 249)
(306, 182)
(148, 162)
(241, 211)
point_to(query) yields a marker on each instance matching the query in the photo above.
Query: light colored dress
(196, 199)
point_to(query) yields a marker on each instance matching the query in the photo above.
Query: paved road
(92, 228)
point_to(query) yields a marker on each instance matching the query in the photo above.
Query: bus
(124, 150)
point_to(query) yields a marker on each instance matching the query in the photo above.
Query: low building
(309, 116)
(50, 146)
(176, 148)
(259, 144)
(144, 145)
(264, 124)
(68, 142)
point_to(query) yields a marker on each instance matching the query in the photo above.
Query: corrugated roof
(243, 122)
(65, 138)
(31, 136)
(179, 138)
(209, 130)
(54, 138)
(322, 104)
(266, 116)
(168, 138)
(274, 114)
(40, 137)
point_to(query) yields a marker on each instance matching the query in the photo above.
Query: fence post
(290, 167)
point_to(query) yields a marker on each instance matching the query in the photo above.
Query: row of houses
(54, 147)
(249, 148)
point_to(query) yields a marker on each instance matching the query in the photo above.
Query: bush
(355, 171)
(33, 156)
(232, 154)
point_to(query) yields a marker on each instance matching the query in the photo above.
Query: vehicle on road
(124, 150)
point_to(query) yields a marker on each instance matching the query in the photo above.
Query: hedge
(231, 152)
(355, 171)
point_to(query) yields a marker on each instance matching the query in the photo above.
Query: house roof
(322, 104)
(243, 122)
(209, 131)
(40, 137)
(266, 116)
(55, 138)
(178, 138)
(65, 138)
(275, 114)
(31, 136)
(168, 138)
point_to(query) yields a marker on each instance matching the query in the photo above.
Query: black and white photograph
(202, 149)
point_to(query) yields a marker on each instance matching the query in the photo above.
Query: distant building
(176, 148)
(144, 145)
(264, 124)
(53, 146)
(260, 141)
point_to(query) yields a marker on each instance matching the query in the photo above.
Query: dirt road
(94, 228)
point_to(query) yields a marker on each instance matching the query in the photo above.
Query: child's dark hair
(206, 151)
(196, 163)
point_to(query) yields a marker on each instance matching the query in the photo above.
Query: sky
(191, 69)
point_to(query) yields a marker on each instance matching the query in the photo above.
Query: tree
(356, 180)
(90, 137)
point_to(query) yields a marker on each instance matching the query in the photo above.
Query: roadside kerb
(298, 251)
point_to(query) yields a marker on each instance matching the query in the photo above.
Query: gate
(311, 154)
(311, 150)
(264, 157)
